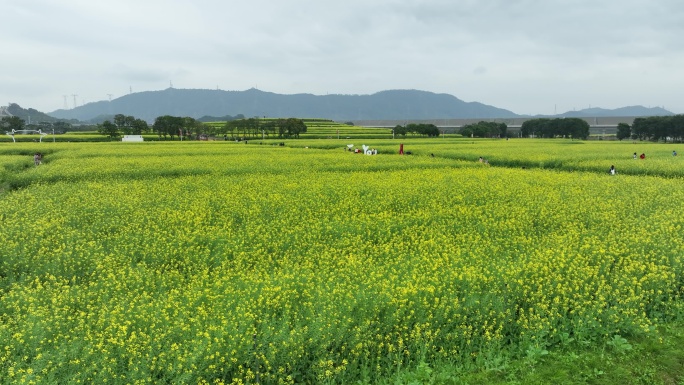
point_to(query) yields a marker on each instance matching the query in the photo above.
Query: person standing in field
(612, 170)
(401, 149)
(674, 153)
(642, 156)
(37, 158)
(635, 156)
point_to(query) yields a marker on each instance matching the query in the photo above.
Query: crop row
(228, 263)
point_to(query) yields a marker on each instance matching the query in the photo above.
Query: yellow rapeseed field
(232, 263)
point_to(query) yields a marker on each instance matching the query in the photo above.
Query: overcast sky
(527, 56)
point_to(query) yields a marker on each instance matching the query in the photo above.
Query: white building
(132, 138)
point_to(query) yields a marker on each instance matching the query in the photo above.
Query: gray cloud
(141, 75)
(524, 55)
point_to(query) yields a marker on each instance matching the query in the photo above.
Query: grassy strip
(655, 360)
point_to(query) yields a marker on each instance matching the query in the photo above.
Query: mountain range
(29, 115)
(392, 104)
(623, 111)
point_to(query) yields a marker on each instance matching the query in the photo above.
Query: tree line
(422, 129)
(574, 128)
(123, 125)
(168, 126)
(16, 123)
(654, 128)
(484, 130)
(254, 128)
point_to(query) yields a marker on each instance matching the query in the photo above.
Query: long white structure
(132, 138)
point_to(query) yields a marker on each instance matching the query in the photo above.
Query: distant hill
(624, 111)
(225, 118)
(30, 115)
(394, 106)
(197, 103)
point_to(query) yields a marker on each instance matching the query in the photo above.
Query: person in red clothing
(642, 156)
(401, 149)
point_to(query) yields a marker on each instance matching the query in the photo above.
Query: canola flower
(221, 263)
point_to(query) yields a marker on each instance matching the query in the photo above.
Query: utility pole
(74, 95)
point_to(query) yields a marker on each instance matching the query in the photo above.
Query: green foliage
(659, 128)
(124, 123)
(400, 130)
(624, 131)
(484, 130)
(422, 129)
(291, 127)
(108, 129)
(551, 128)
(619, 344)
(247, 128)
(168, 126)
(535, 353)
(129, 125)
(257, 128)
(652, 360)
(12, 123)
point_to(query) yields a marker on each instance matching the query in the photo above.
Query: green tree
(467, 131)
(400, 130)
(13, 123)
(61, 127)
(45, 127)
(109, 129)
(423, 129)
(623, 131)
(550, 128)
(167, 125)
(642, 128)
(668, 128)
(502, 130)
(270, 127)
(484, 129)
(580, 129)
(297, 127)
(229, 128)
(291, 127)
(124, 123)
(129, 125)
(139, 127)
(528, 128)
(677, 128)
(193, 126)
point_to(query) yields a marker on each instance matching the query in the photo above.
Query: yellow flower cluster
(221, 263)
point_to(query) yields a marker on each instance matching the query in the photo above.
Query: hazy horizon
(530, 56)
